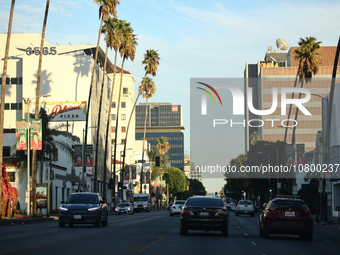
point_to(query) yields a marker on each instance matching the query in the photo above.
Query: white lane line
(253, 243)
(245, 234)
(328, 241)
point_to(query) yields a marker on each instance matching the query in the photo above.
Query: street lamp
(277, 163)
(28, 102)
(83, 155)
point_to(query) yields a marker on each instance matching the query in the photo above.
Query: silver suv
(245, 207)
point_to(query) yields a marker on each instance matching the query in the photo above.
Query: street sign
(329, 203)
(279, 185)
(321, 149)
(328, 188)
(320, 188)
(295, 187)
(329, 196)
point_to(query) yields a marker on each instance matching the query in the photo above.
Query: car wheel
(70, 224)
(61, 224)
(265, 234)
(183, 231)
(225, 231)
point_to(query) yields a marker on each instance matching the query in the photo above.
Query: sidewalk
(333, 223)
(23, 220)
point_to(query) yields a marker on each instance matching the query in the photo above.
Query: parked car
(169, 205)
(285, 215)
(204, 213)
(125, 207)
(232, 206)
(176, 207)
(245, 207)
(83, 208)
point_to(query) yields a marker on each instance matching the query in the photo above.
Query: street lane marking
(160, 236)
(135, 249)
(157, 241)
(253, 243)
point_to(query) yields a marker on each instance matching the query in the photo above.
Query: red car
(286, 215)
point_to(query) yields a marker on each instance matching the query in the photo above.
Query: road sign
(295, 187)
(320, 188)
(328, 188)
(321, 149)
(279, 185)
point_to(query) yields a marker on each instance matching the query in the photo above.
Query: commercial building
(164, 119)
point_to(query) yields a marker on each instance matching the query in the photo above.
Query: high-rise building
(164, 119)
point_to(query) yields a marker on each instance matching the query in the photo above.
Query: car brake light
(174, 207)
(253, 208)
(220, 213)
(306, 213)
(271, 210)
(187, 212)
(238, 207)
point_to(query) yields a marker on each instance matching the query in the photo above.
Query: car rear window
(123, 205)
(288, 203)
(204, 202)
(82, 199)
(245, 203)
(179, 202)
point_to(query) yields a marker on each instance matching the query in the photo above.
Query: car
(169, 205)
(83, 208)
(245, 207)
(204, 213)
(286, 215)
(125, 207)
(232, 206)
(176, 207)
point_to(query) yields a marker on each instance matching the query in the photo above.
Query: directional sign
(328, 188)
(321, 149)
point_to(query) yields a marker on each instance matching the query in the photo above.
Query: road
(158, 233)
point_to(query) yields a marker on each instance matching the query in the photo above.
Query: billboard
(89, 155)
(62, 110)
(21, 134)
(36, 134)
(78, 155)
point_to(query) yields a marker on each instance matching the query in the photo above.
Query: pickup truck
(245, 207)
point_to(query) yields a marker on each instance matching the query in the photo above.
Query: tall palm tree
(151, 62)
(149, 89)
(106, 7)
(3, 91)
(116, 41)
(34, 155)
(307, 54)
(127, 50)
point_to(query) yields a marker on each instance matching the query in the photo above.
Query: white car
(176, 207)
(124, 208)
(245, 207)
(232, 206)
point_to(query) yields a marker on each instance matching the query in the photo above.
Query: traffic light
(111, 184)
(270, 189)
(120, 185)
(157, 159)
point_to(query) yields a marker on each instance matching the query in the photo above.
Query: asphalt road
(158, 233)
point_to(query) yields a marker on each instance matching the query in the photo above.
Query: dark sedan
(204, 213)
(286, 215)
(83, 208)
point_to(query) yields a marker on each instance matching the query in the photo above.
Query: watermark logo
(204, 97)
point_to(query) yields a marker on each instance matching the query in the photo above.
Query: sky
(195, 38)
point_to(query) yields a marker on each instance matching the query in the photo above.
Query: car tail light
(253, 208)
(220, 213)
(187, 212)
(271, 210)
(174, 207)
(238, 207)
(306, 213)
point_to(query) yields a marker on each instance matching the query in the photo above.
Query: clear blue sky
(195, 39)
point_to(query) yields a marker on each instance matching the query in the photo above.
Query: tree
(3, 91)
(151, 62)
(106, 7)
(127, 50)
(162, 145)
(176, 180)
(197, 187)
(253, 138)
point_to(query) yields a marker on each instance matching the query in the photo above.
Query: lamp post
(277, 163)
(83, 161)
(28, 102)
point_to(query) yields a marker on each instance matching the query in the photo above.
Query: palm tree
(148, 90)
(106, 7)
(3, 91)
(127, 50)
(34, 156)
(307, 55)
(151, 61)
(162, 145)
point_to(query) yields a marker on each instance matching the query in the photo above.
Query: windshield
(245, 203)
(136, 199)
(123, 205)
(82, 199)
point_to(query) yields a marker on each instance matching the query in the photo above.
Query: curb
(336, 227)
(15, 221)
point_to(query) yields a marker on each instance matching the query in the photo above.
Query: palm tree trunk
(108, 130)
(330, 101)
(37, 107)
(3, 91)
(117, 116)
(146, 115)
(98, 126)
(128, 126)
(90, 93)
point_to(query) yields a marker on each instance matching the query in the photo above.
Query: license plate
(245, 211)
(204, 214)
(289, 214)
(77, 217)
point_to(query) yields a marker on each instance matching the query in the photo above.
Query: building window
(113, 129)
(113, 116)
(112, 141)
(123, 141)
(113, 105)
(123, 129)
(123, 104)
(6, 106)
(14, 106)
(125, 91)
(123, 116)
